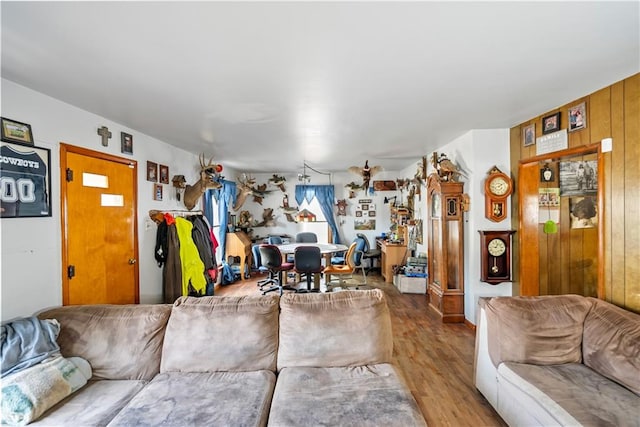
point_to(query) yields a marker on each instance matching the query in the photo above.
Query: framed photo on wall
(26, 181)
(551, 123)
(13, 131)
(164, 174)
(126, 143)
(529, 135)
(152, 171)
(578, 117)
(157, 192)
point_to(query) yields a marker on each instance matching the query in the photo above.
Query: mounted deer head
(244, 188)
(208, 175)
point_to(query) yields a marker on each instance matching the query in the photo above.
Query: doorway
(99, 227)
(561, 223)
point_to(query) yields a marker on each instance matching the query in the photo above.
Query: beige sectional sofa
(559, 361)
(294, 360)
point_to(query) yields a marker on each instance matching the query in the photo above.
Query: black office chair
(308, 261)
(272, 260)
(370, 254)
(306, 237)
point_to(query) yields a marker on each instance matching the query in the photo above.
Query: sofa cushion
(346, 328)
(120, 342)
(222, 334)
(94, 405)
(545, 330)
(611, 344)
(569, 394)
(374, 395)
(201, 399)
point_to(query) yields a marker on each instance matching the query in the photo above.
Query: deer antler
(208, 175)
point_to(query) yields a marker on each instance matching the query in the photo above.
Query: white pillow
(27, 394)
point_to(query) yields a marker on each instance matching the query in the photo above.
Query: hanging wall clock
(495, 252)
(498, 186)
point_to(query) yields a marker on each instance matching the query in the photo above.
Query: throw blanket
(27, 342)
(29, 393)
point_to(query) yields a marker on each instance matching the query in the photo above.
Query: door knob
(132, 261)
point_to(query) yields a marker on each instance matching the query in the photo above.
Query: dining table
(326, 249)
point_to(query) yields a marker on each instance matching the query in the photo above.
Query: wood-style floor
(436, 358)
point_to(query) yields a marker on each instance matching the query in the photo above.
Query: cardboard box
(410, 285)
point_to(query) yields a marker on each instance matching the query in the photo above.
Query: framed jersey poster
(25, 181)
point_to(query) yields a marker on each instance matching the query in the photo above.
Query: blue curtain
(325, 195)
(225, 196)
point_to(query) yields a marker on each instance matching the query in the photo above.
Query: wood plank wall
(612, 112)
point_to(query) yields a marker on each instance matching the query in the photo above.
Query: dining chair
(308, 261)
(306, 237)
(272, 260)
(353, 262)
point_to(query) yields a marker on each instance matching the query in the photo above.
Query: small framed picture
(372, 213)
(551, 123)
(358, 214)
(13, 131)
(152, 171)
(577, 117)
(529, 134)
(157, 192)
(126, 143)
(547, 174)
(164, 174)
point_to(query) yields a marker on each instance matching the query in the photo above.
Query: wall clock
(495, 253)
(498, 186)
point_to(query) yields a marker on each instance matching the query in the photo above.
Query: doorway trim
(64, 150)
(532, 275)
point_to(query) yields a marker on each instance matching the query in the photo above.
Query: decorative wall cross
(105, 134)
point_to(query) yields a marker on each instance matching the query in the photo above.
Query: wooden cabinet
(239, 244)
(391, 254)
(446, 248)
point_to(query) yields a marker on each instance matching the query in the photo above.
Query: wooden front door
(99, 228)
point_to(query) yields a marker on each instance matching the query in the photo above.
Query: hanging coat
(192, 266)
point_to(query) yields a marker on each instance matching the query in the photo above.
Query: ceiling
(264, 86)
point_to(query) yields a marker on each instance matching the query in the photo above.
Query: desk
(391, 254)
(239, 244)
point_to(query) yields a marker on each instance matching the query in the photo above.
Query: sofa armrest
(485, 373)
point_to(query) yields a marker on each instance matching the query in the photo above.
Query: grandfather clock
(446, 248)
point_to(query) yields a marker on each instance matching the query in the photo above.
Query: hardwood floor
(436, 358)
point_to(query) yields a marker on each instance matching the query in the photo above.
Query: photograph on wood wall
(578, 117)
(529, 135)
(578, 178)
(26, 181)
(583, 212)
(551, 123)
(549, 197)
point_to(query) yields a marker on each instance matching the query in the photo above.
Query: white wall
(476, 152)
(31, 247)
(339, 180)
